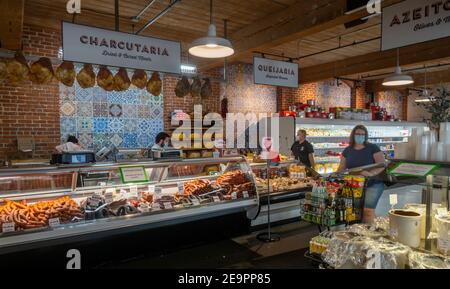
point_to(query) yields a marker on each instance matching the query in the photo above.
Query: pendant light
(426, 97)
(398, 78)
(211, 46)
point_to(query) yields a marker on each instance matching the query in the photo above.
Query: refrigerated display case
(48, 205)
(330, 137)
(288, 181)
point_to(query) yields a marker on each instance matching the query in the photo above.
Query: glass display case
(54, 204)
(288, 181)
(330, 137)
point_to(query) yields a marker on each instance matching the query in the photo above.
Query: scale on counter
(166, 154)
(70, 158)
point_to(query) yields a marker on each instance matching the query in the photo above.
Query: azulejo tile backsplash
(129, 119)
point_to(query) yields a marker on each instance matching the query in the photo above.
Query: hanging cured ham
(206, 89)
(3, 72)
(139, 78)
(196, 87)
(105, 79)
(121, 80)
(41, 71)
(154, 85)
(183, 87)
(17, 69)
(66, 73)
(86, 76)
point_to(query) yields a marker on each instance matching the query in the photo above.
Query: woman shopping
(362, 153)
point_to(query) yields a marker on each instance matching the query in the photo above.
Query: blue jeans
(374, 191)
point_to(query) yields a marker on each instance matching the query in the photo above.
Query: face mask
(360, 139)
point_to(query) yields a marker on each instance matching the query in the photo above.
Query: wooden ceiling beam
(11, 23)
(300, 20)
(413, 54)
(436, 77)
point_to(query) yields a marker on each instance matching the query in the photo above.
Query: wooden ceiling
(274, 21)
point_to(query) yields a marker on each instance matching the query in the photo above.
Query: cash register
(165, 154)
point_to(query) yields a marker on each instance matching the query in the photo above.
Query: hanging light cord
(398, 57)
(211, 12)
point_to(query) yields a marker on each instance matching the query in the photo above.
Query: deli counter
(41, 206)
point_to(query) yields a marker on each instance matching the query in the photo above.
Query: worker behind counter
(72, 145)
(162, 141)
(303, 150)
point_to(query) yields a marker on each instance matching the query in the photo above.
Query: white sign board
(414, 21)
(274, 72)
(87, 44)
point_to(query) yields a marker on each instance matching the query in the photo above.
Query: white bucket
(443, 230)
(405, 227)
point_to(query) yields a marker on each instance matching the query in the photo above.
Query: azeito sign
(415, 21)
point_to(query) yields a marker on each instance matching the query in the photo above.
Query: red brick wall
(30, 109)
(290, 96)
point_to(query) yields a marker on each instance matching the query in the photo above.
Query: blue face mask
(360, 139)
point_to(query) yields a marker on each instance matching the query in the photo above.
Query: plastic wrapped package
(372, 231)
(350, 251)
(419, 260)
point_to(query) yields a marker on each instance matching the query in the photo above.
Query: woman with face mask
(362, 153)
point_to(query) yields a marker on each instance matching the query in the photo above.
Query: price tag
(195, 202)
(144, 208)
(151, 188)
(181, 188)
(233, 195)
(110, 190)
(444, 245)
(109, 198)
(393, 233)
(98, 193)
(216, 199)
(393, 200)
(156, 207)
(168, 206)
(373, 259)
(8, 227)
(158, 190)
(102, 184)
(54, 222)
(133, 192)
(246, 196)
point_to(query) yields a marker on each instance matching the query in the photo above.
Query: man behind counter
(162, 141)
(303, 150)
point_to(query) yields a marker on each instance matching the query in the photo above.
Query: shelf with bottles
(331, 203)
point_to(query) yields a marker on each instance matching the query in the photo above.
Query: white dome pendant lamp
(211, 46)
(398, 78)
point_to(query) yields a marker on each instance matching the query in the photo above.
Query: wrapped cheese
(105, 79)
(3, 72)
(196, 87)
(41, 71)
(86, 76)
(183, 87)
(139, 78)
(121, 80)
(66, 73)
(17, 69)
(206, 89)
(154, 85)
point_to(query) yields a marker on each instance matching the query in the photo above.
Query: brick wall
(290, 96)
(29, 109)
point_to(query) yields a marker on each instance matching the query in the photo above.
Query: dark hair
(352, 135)
(72, 139)
(161, 136)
